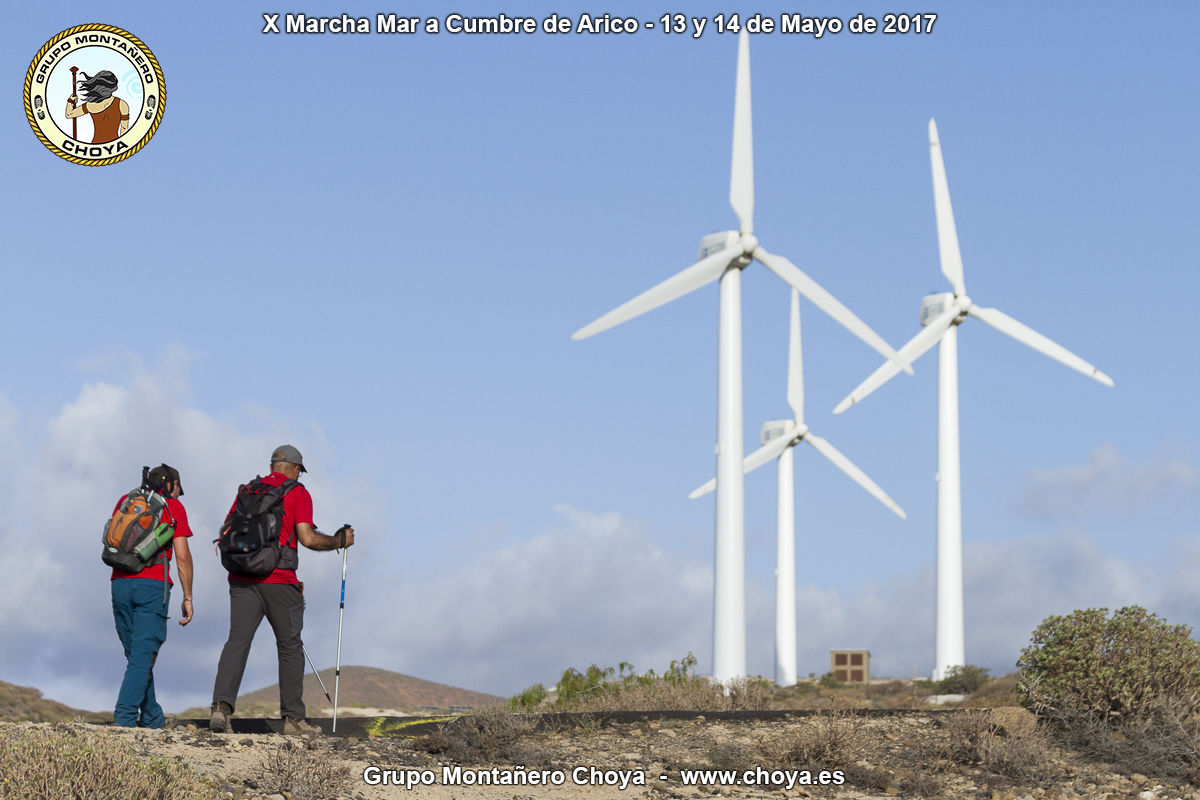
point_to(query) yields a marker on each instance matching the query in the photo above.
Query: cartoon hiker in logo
(110, 114)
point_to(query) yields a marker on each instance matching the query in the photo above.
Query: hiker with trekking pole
(258, 545)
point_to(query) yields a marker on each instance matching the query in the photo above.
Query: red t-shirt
(174, 512)
(297, 508)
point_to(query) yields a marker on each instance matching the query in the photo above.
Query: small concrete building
(850, 666)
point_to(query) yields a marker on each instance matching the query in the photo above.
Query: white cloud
(1109, 483)
(595, 591)
(57, 620)
(1008, 589)
(593, 588)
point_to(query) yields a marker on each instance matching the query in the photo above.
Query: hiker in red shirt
(140, 602)
(278, 596)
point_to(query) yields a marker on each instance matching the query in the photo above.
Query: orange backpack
(135, 534)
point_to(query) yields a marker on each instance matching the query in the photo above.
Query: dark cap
(289, 455)
(163, 474)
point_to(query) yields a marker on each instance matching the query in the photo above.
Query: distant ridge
(365, 688)
(24, 703)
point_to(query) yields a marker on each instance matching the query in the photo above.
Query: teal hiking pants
(141, 619)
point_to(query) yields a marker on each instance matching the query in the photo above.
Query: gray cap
(289, 455)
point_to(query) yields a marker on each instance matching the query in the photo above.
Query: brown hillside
(367, 687)
(24, 703)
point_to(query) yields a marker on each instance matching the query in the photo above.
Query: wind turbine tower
(778, 439)
(941, 314)
(723, 256)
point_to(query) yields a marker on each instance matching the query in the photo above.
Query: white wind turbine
(724, 255)
(778, 439)
(941, 314)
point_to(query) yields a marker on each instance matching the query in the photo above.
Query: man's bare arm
(313, 539)
(183, 561)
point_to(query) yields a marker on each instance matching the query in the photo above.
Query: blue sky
(376, 247)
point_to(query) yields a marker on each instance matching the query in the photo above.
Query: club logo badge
(94, 94)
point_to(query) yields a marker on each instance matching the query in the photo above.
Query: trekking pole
(337, 672)
(314, 669)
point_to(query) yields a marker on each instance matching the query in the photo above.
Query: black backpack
(249, 540)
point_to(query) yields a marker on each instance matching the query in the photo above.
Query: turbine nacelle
(934, 305)
(775, 428)
(731, 241)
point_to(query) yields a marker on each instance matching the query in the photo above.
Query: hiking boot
(298, 727)
(218, 722)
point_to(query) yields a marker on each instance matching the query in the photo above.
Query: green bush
(829, 681)
(963, 680)
(575, 687)
(1123, 688)
(529, 699)
(1119, 667)
(625, 689)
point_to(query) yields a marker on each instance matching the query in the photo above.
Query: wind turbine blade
(768, 451)
(829, 304)
(916, 347)
(1028, 336)
(857, 475)
(762, 455)
(795, 363)
(741, 180)
(702, 272)
(951, 258)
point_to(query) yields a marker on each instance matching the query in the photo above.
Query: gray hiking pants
(283, 606)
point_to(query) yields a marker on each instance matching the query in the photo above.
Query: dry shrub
(865, 777)
(305, 773)
(895, 695)
(732, 756)
(1164, 743)
(1008, 744)
(830, 740)
(921, 784)
(623, 688)
(748, 694)
(995, 693)
(693, 694)
(63, 761)
(489, 735)
(887, 689)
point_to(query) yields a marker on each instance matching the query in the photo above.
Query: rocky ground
(960, 755)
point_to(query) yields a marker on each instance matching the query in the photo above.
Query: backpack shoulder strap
(284, 488)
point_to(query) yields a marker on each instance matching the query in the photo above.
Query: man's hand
(344, 535)
(186, 610)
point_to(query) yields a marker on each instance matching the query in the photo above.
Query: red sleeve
(179, 515)
(298, 505)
